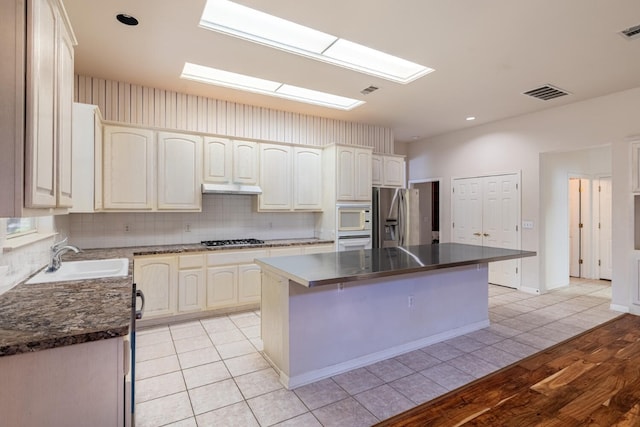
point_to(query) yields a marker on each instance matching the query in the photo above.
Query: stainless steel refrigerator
(395, 217)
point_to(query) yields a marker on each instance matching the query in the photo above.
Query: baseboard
(621, 308)
(529, 290)
(319, 374)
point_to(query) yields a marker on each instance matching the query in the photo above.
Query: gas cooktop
(232, 242)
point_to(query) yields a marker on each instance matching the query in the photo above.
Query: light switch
(528, 225)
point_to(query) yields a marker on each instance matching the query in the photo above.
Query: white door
(605, 258)
(467, 211)
(486, 211)
(500, 218)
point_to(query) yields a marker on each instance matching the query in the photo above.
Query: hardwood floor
(592, 379)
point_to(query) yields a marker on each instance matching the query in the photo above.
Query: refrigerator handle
(402, 218)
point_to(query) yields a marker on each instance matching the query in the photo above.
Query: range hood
(230, 189)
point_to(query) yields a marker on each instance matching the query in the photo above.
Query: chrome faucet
(57, 250)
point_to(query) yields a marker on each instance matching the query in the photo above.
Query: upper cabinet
(227, 161)
(142, 172)
(179, 171)
(87, 158)
(307, 178)
(388, 170)
(290, 178)
(353, 173)
(36, 111)
(275, 177)
(129, 168)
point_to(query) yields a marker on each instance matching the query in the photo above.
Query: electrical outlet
(410, 301)
(127, 228)
(340, 287)
(187, 228)
(528, 225)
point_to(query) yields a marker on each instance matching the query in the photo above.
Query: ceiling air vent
(631, 33)
(368, 90)
(546, 92)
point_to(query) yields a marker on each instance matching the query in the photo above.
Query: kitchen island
(324, 314)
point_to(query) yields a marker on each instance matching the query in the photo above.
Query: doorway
(590, 254)
(429, 210)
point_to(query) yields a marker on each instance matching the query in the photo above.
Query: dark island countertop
(47, 315)
(340, 267)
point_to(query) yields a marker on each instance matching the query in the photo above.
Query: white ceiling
(485, 53)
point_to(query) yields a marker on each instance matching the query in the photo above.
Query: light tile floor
(211, 372)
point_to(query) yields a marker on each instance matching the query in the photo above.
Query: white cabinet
(222, 286)
(317, 249)
(141, 173)
(290, 177)
(353, 173)
(80, 384)
(227, 161)
(129, 168)
(275, 177)
(87, 158)
(36, 89)
(191, 283)
(233, 278)
(307, 178)
(179, 171)
(388, 171)
(157, 277)
(249, 283)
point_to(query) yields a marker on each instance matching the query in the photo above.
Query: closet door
(486, 212)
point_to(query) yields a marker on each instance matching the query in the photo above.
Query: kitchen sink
(82, 270)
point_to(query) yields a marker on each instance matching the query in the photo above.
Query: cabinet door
(84, 158)
(222, 286)
(275, 177)
(129, 168)
(98, 160)
(307, 178)
(179, 171)
(376, 170)
(41, 153)
(245, 162)
(345, 173)
(157, 277)
(362, 184)
(393, 171)
(249, 283)
(217, 160)
(64, 95)
(191, 290)
(318, 249)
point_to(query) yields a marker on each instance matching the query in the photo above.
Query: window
(20, 226)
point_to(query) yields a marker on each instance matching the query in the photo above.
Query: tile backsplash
(223, 216)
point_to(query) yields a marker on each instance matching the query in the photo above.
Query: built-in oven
(353, 218)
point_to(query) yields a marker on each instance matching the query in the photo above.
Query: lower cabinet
(80, 384)
(157, 277)
(201, 281)
(222, 286)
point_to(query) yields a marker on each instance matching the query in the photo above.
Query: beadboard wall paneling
(130, 103)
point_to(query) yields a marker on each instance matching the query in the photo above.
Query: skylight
(213, 76)
(240, 21)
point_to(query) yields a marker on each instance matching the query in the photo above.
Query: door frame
(439, 180)
(596, 250)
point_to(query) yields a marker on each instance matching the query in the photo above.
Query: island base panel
(318, 332)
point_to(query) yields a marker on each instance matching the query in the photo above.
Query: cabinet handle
(477, 234)
(140, 312)
(486, 234)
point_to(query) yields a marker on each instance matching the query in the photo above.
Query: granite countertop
(339, 267)
(47, 315)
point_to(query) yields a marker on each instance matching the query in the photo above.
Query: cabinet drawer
(190, 261)
(288, 251)
(316, 249)
(239, 257)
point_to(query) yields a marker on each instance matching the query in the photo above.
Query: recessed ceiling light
(240, 21)
(470, 118)
(127, 19)
(218, 77)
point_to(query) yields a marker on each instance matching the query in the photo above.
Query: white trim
(329, 371)
(24, 240)
(621, 308)
(529, 290)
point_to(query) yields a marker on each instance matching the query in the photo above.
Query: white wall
(516, 144)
